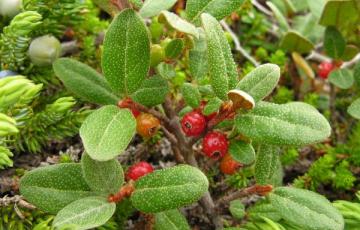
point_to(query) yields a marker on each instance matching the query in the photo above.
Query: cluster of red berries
(215, 144)
(147, 125)
(325, 68)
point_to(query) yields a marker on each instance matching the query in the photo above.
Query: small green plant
(227, 115)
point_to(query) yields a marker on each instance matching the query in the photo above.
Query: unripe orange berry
(228, 165)
(147, 125)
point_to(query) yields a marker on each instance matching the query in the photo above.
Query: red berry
(228, 165)
(129, 104)
(139, 170)
(324, 69)
(193, 123)
(215, 145)
(147, 125)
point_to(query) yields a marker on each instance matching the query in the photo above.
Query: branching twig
(238, 46)
(315, 56)
(261, 8)
(351, 62)
(16, 200)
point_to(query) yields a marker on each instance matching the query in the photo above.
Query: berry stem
(124, 192)
(261, 190)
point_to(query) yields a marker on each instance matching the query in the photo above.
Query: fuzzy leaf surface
(266, 162)
(174, 48)
(342, 78)
(294, 123)
(242, 152)
(237, 209)
(152, 8)
(84, 81)
(107, 132)
(126, 55)
(53, 187)
(260, 82)
(152, 92)
(179, 24)
(212, 106)
(217, 8)
(103, 176)
(86, 213)
(198, 64)
(169, 188)
(191, 95)
(222, 68)
(172, 219)
(306, 209)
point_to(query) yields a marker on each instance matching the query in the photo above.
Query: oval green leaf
(237, 209)
(107, 132)
(51, 188)
(152, 92)
(172, 219)
(84, 81)
(217, 8)
(212, 106)
(354, 109)
(178, 23)
(334, 43)
(342, 78)
(294, 42)
(86, 213)
(102, 176)
(339, 13)
(294, 123)
(151, 8)
(222, 68)
(174, 48)
(283, 24)
(169, 189)
(242, 152)
(260, 82)
(191, 95)
(306, 209)
(126, 55)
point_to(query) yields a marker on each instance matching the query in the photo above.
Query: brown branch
(261, 190)
(16, 200)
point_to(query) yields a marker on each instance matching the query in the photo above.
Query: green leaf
(237, 209)
(294, 123)
(178, 23)
(126, 55)
(306, 209)
(342, 78)
(242, 152)
(294, 42)
(334, 43)
(107, 132)
(152, 8)
(212, 106)
(316, 7)
(357, 73)
(51, 188)
(103, 176)
(338, 12)
(84, 81)
(171, 219)
(86, 213)
(260, 82)
(198, 65)
(174, 48)
(169, 189)
(166, 71)
(222, 68)
(217, 8)
(350, 52)
(267, 159)
(284, 26)
(152, 92)
(354, 109)
(191, 95)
